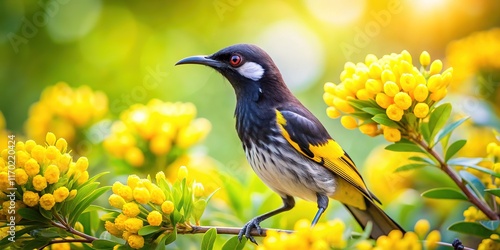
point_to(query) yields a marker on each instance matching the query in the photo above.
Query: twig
(458, 181)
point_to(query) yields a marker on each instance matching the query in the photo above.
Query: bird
(287, 146)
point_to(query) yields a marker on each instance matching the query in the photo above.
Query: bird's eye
(235, 60)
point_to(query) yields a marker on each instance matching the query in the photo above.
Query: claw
(247, 230)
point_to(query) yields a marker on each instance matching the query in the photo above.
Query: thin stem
(458, 181)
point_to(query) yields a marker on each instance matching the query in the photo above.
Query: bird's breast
(285, 170)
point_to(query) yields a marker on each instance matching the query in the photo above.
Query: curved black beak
(203, 60)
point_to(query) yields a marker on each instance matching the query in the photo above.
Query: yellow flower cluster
(331, 235)
(410, 240)
(143, 203)
(492, 243)
(44, 175)
(65, 111)
(160, 126)
(473, 54)
(473, 214)
(393, 86)
(325, 235)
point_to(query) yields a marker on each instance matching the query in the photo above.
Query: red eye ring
(235, 60)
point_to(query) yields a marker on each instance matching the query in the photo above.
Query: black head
(249, 69)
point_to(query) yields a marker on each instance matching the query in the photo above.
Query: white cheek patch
(251, 70)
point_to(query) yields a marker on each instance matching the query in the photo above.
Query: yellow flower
(116, 201)
(39, 183)
(111, 228)
(425, 58)
(439, 94)
(348, 122)
(135, 241)
(394, 112)
(38, 153)
(83, 178)
(21, 176)
(126, 193)
(62, 145)
(383, 100)
(30, 198)
(47, 201)
(432, 239)
(392, 134)
(421, 110)
(408, 82)
(133, 225)
(370, 129)
(64, 162)
(130, 209)
(422, 228)
(332, 112)
(160, 144)
(473, 214)
(32, 167)
(51, 174)
(391, 88)
(487, 244)
(60, 194)
(120, 221)
(82, 164)
(52, 153)
(4, 181)
(132, 181)
(402, 100)
(134, 157)
(374, 86)
(182, 173)
(154, 218)
(342, 105)
(21, 158)
(167, 207)
(141, 195)
(72, 194)
(50, 138)
(420, 93)
(436, 67)
(198, 190)
(157, 196)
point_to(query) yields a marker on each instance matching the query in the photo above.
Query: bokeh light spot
(297, 52)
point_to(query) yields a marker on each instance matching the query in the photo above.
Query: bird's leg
(322, 205)
(288, 203)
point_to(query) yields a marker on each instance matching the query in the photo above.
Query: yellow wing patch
(332, 156)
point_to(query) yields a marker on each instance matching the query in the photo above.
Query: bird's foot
(247, 229)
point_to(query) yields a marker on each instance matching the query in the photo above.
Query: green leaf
(438, 118)
(424, 129)
(208, 240)
(471, 228)
(31, 214)
(149, 230)
(410, 166)
(422, 159)
(361, 115)
(404, 147)
(490, 224)
(103, 244)
(373, 111)
(474, 183)
(234, 244)
(36, 243)
(384, 120)
(86, 202)
(493, 191)
(453, 149)
(448, 129)
(171, 237)
(445, 193)
(161, 242)
(465, 161)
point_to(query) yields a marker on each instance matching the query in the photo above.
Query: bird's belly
(289, 173)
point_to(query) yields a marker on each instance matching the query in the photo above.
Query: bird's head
(249, 69)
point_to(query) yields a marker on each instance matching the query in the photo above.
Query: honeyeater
(286, 145)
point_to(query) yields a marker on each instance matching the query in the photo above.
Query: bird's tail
(382, 223)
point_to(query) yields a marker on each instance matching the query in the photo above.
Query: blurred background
(124, 52)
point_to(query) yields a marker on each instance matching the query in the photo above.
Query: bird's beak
(203, 60)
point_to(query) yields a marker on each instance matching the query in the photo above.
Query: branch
(458, 181)
(63, 241)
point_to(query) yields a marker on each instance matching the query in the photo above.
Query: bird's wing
(310, 138)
